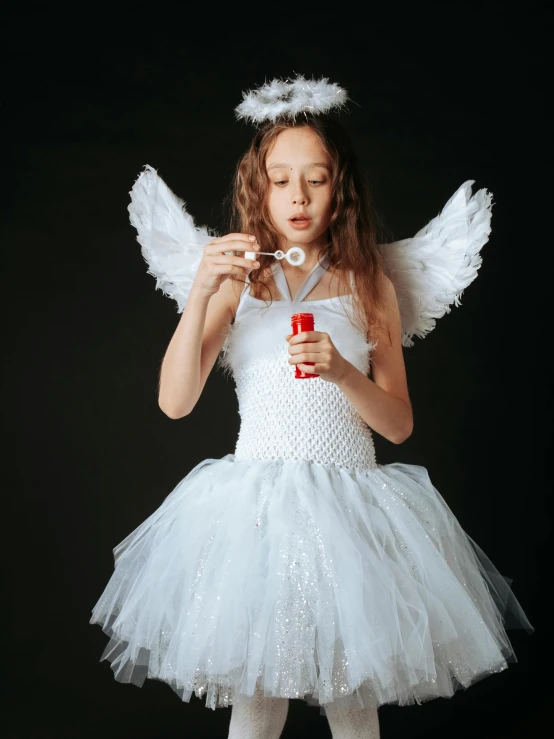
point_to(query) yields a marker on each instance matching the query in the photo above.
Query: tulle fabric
(309, 580)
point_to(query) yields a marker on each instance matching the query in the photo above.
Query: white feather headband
(290, 98)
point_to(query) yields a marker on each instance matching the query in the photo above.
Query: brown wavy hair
(353, 227)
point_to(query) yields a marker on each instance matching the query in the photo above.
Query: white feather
(172, 245)
(431, 270)
(281, 98)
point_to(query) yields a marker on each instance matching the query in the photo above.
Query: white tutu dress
(299, 563)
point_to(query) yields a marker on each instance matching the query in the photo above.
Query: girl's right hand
(216, 266)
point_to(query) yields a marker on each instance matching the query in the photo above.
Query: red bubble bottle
(302, 322)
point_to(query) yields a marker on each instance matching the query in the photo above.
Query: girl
(299, 567)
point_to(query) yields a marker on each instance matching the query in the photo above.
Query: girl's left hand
(316, 346)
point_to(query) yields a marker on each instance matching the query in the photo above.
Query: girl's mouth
(300, 221)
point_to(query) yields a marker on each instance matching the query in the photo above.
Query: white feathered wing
(431, 270)
(172, 245)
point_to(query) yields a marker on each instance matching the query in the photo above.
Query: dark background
(442, 94)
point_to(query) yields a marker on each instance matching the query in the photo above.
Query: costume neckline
(306, 287)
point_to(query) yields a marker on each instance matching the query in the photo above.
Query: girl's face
(300, 191)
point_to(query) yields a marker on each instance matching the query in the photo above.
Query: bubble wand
(295, 255)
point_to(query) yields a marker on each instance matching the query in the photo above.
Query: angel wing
(431, 270)
(171, 243)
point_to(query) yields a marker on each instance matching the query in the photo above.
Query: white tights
(353, 723)
(258, 717)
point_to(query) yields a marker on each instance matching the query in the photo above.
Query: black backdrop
(440, 96)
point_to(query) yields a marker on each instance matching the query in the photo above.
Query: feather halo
(283, 98)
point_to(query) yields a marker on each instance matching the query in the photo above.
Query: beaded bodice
(287, 418)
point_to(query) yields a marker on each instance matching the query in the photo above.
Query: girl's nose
(299, 197)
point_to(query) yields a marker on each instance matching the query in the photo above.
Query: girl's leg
(258, 717)
(352, 723)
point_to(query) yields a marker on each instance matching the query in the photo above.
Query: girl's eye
(280, 183)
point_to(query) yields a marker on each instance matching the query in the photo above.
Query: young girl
(299, 567)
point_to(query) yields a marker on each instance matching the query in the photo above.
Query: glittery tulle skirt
(310, 581)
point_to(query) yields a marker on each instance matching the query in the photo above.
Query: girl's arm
(210, 307)
(383, 401)
(194, 348)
